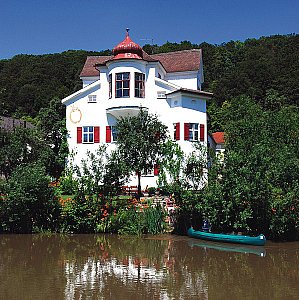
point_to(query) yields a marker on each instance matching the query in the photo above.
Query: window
(114, 133)
(110, 85)
(111, 134)
(122, 85)
(139, 85)
(193, 132)
(161, 94)
(92, 99)
(88, 134)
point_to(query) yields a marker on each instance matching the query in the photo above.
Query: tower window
(110, 85)
(122, 85)
(139, 85)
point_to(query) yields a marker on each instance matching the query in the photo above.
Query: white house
(166, 84)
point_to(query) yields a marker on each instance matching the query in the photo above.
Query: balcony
(125, 111)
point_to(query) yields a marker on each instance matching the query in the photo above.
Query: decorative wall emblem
(75, 115)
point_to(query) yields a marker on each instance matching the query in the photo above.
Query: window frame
(92, 99)
(161, 94)
(122, 82)
(89, 133)
(193, 131)
(113, 134)
(110, 85)
(139, 88)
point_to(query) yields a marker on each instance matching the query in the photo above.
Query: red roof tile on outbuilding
(218, 137)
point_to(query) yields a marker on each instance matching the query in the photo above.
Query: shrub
(30, 204)
(151, 191)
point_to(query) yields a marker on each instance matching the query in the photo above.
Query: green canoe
(228, 238)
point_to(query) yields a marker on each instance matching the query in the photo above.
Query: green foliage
(256, 190)
(195, 168)
(22, 146)
(179, 172)
(152, 190)
(29, 203)
(51, 123)
(83, 214)
(68, 185)
(171, 164)
(90, 175)
(29, 82)
(284, 222)
(116, 174)
(135, 221)
(80, 214)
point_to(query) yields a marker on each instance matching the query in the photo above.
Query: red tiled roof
(218, 137)
(180, 61)
(89, 66)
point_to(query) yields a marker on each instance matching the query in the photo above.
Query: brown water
(163, 267)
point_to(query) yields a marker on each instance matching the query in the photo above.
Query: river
(150, 267)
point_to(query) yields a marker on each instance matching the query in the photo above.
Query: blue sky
(50, 26)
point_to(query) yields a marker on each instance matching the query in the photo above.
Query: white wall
(184, 79)
(186, 109)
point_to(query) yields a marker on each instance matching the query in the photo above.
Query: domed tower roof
(127, 49)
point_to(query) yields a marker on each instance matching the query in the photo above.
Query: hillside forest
(252, 68)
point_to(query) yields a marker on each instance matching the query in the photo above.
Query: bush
(284, 215)
(151, 191)
(67, 185)
(30, 203)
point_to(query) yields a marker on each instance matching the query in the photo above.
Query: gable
(81, 93)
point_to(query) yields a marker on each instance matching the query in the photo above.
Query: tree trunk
(139, 185)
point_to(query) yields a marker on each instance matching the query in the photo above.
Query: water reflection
(260, 251)
(164, 267)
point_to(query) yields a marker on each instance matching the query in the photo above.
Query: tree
(258, 187)
(22, 146)
(171, 166)
(196, 167)
(139, 140)
(30, 204)
(116, 174)
(51, 122)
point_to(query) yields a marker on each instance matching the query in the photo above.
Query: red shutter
(202, 132)
(108, 134)
(96, 134)
(177, 131)
(186, 131)
(156, 170)
(79, 135)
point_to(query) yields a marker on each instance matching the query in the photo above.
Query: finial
(127, 33)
